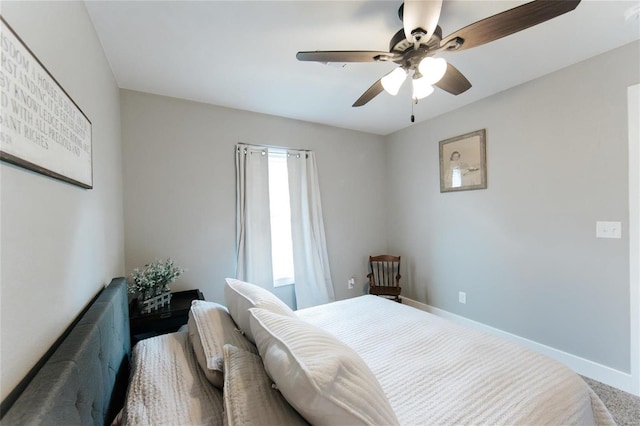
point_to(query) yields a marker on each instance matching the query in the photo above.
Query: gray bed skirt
(84, 381)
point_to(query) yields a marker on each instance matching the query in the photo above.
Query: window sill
(283, 282)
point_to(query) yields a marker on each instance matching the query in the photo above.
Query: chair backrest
(384, 271)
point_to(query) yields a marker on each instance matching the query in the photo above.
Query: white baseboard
(599, 372)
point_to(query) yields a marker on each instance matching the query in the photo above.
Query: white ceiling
(241, 54)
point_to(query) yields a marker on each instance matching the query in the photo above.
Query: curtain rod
(287, 148)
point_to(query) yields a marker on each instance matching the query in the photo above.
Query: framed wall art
(41, 127)
(463, 162)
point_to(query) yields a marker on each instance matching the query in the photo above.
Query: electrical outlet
(462, 297)
(608, 229)
(351, 283)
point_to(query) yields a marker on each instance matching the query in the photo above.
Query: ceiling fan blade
(509, 22)
(373, 91)
(421, 15)
(345, 56)
(453, 81)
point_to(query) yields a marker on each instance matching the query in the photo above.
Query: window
(269, 182)
(280, 215)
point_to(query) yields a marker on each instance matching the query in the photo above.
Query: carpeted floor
(624, 407)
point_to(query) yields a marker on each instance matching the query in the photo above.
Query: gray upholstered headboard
(75, 386)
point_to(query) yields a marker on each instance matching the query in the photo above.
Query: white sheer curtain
(253, 225)
(310, 260)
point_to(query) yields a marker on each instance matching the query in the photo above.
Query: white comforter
(436, 372)
(167, 387)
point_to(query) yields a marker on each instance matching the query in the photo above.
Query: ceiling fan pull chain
(413, 118)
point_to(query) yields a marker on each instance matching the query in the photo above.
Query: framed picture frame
(463, 162)
(41, 128)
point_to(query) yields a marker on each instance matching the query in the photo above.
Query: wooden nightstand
(165, 320)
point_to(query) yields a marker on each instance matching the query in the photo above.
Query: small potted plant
(151, 284)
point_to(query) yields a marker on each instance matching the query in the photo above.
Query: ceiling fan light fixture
(433, 69)
(392, 81)
(421, 88)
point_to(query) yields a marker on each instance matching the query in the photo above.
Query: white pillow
(322, 378)
(210, 328)
(249, 397)
(242, 296)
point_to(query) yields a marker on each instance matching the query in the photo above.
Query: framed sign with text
(41, 127)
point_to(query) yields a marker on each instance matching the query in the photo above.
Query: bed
(365, 360)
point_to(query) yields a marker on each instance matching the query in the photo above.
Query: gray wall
(179, 174)
(524, 250)
(60, 243)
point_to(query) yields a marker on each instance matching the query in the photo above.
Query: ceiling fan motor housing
(400, 44)
(411, 56)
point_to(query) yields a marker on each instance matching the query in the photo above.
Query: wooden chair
(384, 278)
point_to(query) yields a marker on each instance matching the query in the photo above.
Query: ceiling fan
(415, 47)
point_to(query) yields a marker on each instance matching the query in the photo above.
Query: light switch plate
(608, 229)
